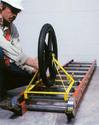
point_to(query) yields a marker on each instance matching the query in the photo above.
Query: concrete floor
(88, 113)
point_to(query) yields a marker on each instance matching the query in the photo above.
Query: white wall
(76, 23)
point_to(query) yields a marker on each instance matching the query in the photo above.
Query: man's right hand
(33, 62)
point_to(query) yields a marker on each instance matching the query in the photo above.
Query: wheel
(47, 45)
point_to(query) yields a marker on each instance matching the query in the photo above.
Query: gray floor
(88, 113)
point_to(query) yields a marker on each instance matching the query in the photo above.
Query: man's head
(10, 9)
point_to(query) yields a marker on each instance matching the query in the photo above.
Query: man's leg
(2, 75)
(17, 77)
(11, 76)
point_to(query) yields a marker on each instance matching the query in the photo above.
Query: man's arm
(16, 54)
(33, 62)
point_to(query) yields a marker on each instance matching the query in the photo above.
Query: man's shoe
(7, 105)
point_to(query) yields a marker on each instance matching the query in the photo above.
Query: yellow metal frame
(30, 89)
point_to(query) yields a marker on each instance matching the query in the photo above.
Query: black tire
(45, 50)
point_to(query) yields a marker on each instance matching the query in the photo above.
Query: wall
(76, 23)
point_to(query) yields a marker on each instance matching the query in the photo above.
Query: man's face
(9, 14)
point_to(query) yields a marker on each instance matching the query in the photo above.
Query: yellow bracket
(68, 76)
(31, 87)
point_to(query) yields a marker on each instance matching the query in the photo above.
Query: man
(13, 61)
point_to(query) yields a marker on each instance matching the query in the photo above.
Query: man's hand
(33, 62)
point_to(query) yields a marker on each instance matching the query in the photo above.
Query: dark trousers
(11, 76)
